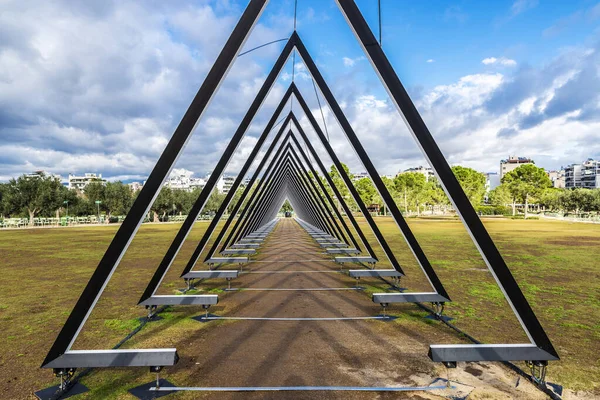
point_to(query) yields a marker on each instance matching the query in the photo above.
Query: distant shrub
(521, 216)
(493, 210)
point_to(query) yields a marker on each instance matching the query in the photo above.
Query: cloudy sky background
(99, 86)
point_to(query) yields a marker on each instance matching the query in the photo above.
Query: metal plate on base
(367, 260)
(238, 251)
(454, 390)
(386, 318)
(143, 392)
(408, 298)
(342, 251)
(488, 352)
(46, 394)
(227, 260)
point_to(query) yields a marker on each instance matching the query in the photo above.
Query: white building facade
(427, 171)
(79, 182)
(584, 175)
(513, 162)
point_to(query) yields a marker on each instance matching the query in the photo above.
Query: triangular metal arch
(61, 355)
(243, 196)
(540, 347)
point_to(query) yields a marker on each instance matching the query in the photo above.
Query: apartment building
(511, 163)
(584, 175)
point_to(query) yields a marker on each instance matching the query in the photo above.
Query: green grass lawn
(555, 263)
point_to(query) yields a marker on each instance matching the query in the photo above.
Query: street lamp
(98, 202)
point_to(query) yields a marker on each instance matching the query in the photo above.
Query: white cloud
(101, 88)
(350, 62)
(520, 6)
(431, 60)
(507, 62)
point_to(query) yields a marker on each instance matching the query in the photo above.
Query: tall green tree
(577, 200)
(34, 194)
(500, 196)
(213, 202)
(472, 182)
(163, 204)
(410, 186)
(550, 198)
(117, 199)
(3, 200)
(339, 183)
(184, 200)
(434, 194)
(234, 200)
(367, 192)
(525, 182)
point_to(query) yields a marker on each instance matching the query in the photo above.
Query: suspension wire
(294, 55)
(262, 45)
(379, 9)
(295, 13)
(321, 108)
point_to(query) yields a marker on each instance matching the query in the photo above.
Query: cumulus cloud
(100, 86)
(109, 100)
(431, 60)
(507, 62)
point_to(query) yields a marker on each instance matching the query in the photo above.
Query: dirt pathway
(320, 353)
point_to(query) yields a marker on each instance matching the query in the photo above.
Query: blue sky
(99, 86)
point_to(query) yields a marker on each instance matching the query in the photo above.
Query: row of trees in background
(413, 192)
(519, 189)
(45, 196)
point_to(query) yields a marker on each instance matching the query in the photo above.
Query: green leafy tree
(367, 191)
(391, 188)
(34, 194)
(525, 182)
(409, 186)
(163, 204)
(286, 207)
(341, 186)
(184, 201)
(70, 200)
(434, 194)
(472, 182)
(596, 200)
(95, 191)
(117, 199)
(577, 200)
(500, 196)
(234, 200)
(3, 200)
(213, 202)
(550, 198)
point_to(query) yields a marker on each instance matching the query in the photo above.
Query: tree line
(520, 188)
(45, 196)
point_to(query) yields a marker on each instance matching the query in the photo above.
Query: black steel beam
(436, 159)
(159, 174)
